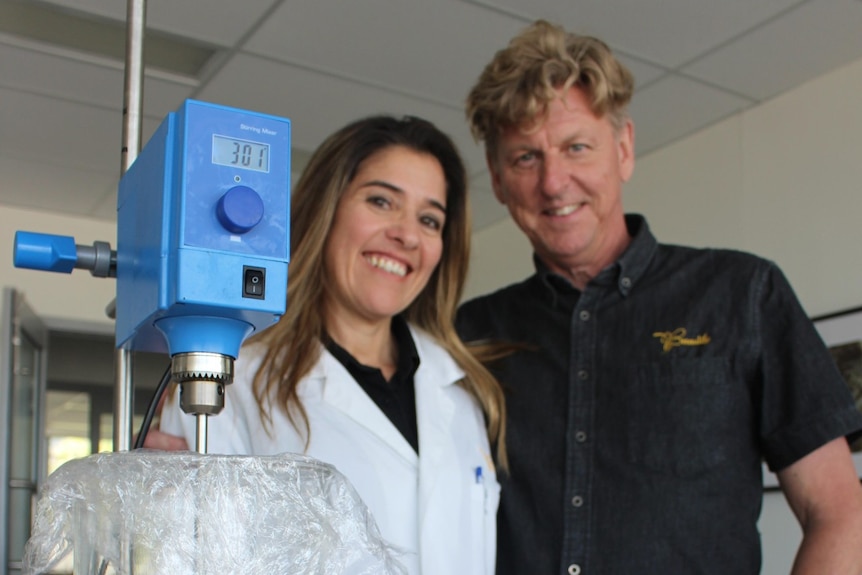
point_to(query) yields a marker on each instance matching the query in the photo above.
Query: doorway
(79, 398)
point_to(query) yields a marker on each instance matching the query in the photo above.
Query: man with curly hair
(648, 381)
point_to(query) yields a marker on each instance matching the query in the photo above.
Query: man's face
(563, 183)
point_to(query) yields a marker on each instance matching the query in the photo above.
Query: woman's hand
(165, 442)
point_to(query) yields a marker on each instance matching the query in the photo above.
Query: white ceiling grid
(324, 63)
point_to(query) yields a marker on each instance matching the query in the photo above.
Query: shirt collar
(625, 272)
(408, 357)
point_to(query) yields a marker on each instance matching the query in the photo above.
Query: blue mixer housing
(203, 232)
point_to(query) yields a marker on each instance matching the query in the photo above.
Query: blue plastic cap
(199, 333)
(240, 209)
(45, 252)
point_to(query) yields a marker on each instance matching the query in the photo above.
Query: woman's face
(387, 235)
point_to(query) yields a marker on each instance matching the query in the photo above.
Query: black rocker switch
(253, 282)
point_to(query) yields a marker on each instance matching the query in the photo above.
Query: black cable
(151, 409)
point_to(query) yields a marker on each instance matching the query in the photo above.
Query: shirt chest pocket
(679, 415)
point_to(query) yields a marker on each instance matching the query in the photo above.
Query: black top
(638, 416)
(396, 397)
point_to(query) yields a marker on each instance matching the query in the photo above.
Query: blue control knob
(239, 209)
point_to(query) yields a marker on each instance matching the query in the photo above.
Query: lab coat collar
(437, 369)
(435, 410)
(448, 421)
(436, 366)
(436, 405)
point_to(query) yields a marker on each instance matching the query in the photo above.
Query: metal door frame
(17, 318)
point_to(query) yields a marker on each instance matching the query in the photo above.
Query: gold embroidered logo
(676, 338)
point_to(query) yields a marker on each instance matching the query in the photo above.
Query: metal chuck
(202, 378)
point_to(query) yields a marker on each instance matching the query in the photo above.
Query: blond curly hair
(516, 87)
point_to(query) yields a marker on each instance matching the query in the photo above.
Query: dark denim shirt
(640, 410)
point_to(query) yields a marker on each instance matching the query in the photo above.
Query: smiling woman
(385, 243)
(364, 370)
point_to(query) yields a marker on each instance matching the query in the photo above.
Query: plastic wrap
(152, 512)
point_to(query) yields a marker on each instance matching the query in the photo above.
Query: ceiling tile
(33, 71)
(343, 60)
(220, 22)
(817, 37)
(644, 73)
(319, 104)
(104, 8)
(45, 138)
(31, 183)
(665, 32)
(675, 107)
(162, 97)
(39, 73)
(426, 50)
(58, 132)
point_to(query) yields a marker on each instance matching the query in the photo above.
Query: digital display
(240, 153)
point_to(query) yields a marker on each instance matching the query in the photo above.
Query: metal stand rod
(123, 400)
(132, 106)
(201, 432)
(136, 11)
(133, 93)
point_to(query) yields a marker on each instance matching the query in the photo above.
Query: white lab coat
(440, 507)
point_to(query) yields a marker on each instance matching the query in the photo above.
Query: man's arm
(824, 493)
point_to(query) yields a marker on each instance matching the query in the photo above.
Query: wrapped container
(153, 512)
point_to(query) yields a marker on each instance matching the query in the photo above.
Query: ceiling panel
(317, 103)
(58, 132)
(31, 183)
(219, 22)
(427, 50)
(76, 81)
(324, 63)
(676, 107)
(162, 97)
(644, 73)
(819, 36)
(96, 82)
(666, 32)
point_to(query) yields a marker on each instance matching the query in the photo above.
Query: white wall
(783, 180)
(74, 297)
(501, 255)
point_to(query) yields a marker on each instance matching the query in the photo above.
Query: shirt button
(580, 436)
(577, 501)
(574, 569)
(626, 282)
(584, 315)
(583, 374)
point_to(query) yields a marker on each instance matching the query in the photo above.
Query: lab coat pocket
(483, 520)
